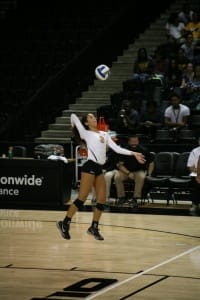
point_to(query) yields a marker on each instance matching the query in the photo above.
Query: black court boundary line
(144, 288)
(73, 269)
(101, 224)
(155, 230)
(76, 269)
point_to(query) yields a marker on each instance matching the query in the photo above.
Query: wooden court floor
(142, 257)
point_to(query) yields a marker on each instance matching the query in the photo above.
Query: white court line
(103, 291)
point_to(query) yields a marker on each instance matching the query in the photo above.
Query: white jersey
(176, 116)
(97, 142)
(193, 159)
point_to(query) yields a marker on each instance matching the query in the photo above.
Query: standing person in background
(193, 164)
(92, 171)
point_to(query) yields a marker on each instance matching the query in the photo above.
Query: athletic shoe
(194, 210)
(95, 232)
(121, 201)
(63, 230)
(134, 202)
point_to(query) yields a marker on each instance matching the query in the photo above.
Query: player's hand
(140, 157)
(131, 176)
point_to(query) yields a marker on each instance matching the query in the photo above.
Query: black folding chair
(157, 186)
(181, 183)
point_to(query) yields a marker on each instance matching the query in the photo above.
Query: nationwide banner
(35, 182)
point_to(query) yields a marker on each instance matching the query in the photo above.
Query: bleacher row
(140, 91)
(189, 135)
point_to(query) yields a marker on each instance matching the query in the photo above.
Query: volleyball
(102, 72)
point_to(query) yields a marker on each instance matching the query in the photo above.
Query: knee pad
(100, 206)
(78, 203)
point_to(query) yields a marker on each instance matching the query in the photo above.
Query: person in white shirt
(193, 164)
(92, 171)
(176, 115)
(175, 29)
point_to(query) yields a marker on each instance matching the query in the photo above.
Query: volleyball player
(91, 172)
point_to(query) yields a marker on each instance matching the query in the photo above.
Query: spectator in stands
(160, 64)
(194, 27)
(189, 47)
(190, 85)
(175, 29)
(150, 120)
(194, 167)
(158, 76)
(127, 119)
(142, 66)
(176, 116)
(131, 169)
(187, 76)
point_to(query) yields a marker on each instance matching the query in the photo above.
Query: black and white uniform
(192, 162)
(97, 145)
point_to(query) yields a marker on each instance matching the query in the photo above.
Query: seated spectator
(175, 29)
(190, 85)
(127, 119)
(131, 169)
(187, 76)
(150, 120)
(194, 27)
(189, 47)
(176, 116)
(160, 64)
(142, 66)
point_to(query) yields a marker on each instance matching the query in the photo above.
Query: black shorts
(92, 168)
